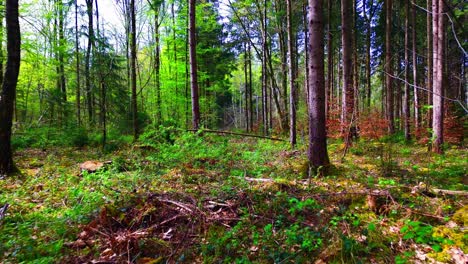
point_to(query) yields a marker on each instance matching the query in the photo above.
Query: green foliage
(297, 206)
(423, 234)
(272, 221)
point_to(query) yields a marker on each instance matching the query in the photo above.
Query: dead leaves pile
(150, 229)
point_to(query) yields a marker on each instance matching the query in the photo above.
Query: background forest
(76, 70)
(222, 131)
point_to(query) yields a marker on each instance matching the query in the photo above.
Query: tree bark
(246, 88)
(89, 100)
(292, 77)
(193, 66)
(249, 52)
(61, 56)
(438, 68)
(406, 108)
(78, 81)
(389, 106)
(133, 76)
(347, 109)
(8, 92)
(355, 66)
(368, 18)
(264, 71)
(2, 5)
(429, 60)
(329, 91)
(317, 151)
(415, 70)
(156, 7)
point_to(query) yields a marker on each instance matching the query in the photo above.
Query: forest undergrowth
(204, 198)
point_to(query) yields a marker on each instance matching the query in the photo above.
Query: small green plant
(422, 233)
(297, 206)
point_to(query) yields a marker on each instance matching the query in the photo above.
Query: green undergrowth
(249, 200)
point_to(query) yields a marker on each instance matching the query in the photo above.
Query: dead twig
(181, 205)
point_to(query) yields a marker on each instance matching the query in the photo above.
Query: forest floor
(190, 198)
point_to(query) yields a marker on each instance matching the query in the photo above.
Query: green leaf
(437, 248)
(408, 235)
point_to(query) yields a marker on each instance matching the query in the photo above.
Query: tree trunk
(438, 68)
(415, 70)
(329, 88)
(61, 44)
(368, 51)
(389, 107)
(133, 76)
(8, 92)
(355, 67)
(348, 91)
(89, 100)
(246, 88)
(317, 151)
(406, 111)
(292, 77)
(306, 54)
(2, 5)
(249, 52)
(193, 66)
(174, 49)
(157, 61)
(264, 72)
(429, 60)
(77, 54)
(283, 47)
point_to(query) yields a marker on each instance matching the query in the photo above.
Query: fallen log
(235, 134)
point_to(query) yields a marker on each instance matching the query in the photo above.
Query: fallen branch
(258, 179)
(183, 206)
(441, 191)
(235, 133)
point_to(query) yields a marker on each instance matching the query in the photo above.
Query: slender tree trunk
(292, 77)
(193, 66)
(264, 72)
(8, 92)
(348, 90)
(133, 76)
(415, 70)
(61, 55)
(274, 94)
(246, 88)
(429, 77)
(397, 93)
(187, 100)
(355, 66)
(157, 64)
(406, 111)
(317, 151)
(89, 11)
(389, 107)
(77, 54)
(283, 46)
(174, 49)
(249, 52)
(438, 32)
(368, 18)
(329, 91)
